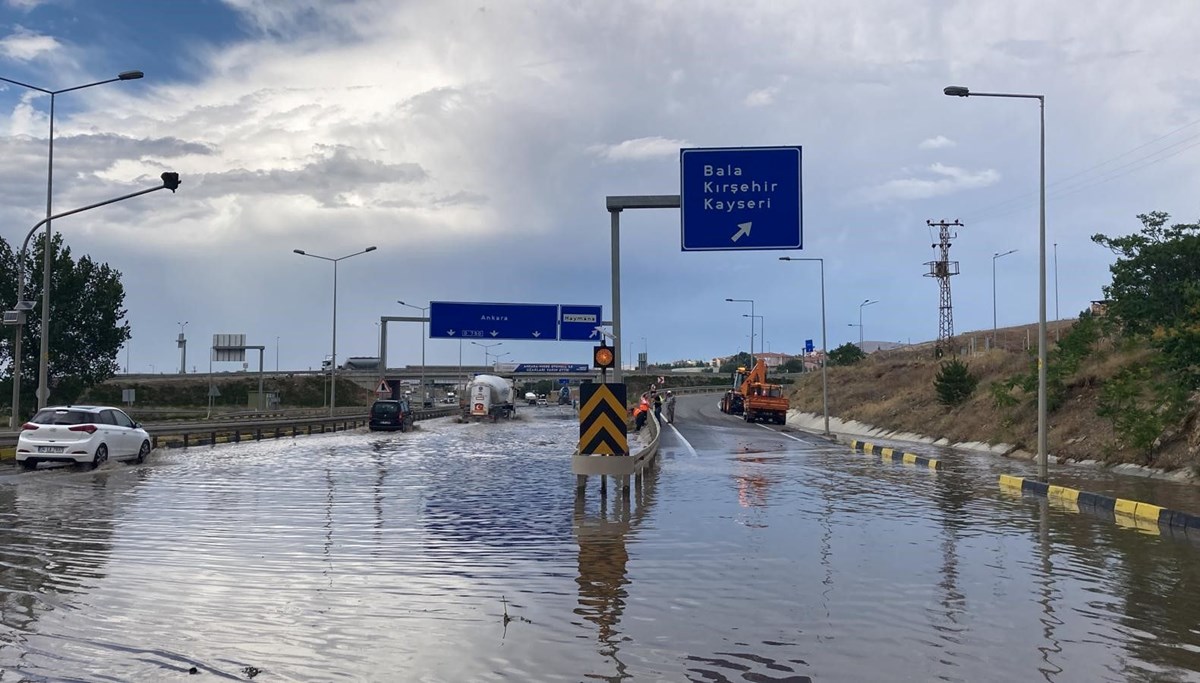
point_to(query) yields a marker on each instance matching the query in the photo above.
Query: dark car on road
(389, 415)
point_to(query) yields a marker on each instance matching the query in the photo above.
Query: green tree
(1154, 280)
(87, 321)
(1155, 291)
(846, 354)
(793, 365)
(954, 383)
(741, 360)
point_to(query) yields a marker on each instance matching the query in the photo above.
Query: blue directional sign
(740, 198)
(808, 346)
(484, 321)
(578, 323)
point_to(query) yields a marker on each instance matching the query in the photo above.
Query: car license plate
(50, 449)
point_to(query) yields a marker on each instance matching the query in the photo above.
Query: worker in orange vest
(639, 416)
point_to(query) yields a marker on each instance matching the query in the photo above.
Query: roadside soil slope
(895, 390)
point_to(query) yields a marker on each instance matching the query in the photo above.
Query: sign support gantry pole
(616, 204)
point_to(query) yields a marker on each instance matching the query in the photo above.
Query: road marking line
(793, 438)
(686, 443)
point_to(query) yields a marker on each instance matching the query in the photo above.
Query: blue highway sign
(578, 323)
(740, 198)
(808, 346)
(484, 321)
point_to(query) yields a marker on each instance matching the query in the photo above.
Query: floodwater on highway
(750, 556)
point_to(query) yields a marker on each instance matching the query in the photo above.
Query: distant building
(1100, 307)
(771, 360)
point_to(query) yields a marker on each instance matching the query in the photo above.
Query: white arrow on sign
(743, 229)
(494, 333)
(536, 334)
(450, 332)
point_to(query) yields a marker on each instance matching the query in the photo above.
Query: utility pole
(181, 342)
(943, 269)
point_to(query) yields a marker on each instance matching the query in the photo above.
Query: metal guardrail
(223, 431)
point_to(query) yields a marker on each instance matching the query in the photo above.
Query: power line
(994, 210)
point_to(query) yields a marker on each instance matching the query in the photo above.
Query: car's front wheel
(101, 456)
(142, 452)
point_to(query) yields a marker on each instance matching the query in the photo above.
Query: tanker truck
(489, 396)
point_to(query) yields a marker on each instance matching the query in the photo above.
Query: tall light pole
(762, 335)
(333, 356)
(276, 354)
(170, 181)
(485, 348)
(960, 91)
(423, 319)
(43, 391)
(994, 257)
(646, 353)
(182, 343)
(751, 302)
(866, 302)
(497, 356)
(824, 342)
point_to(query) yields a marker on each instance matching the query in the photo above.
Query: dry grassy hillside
(895, 390)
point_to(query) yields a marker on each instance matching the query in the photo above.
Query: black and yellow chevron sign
(602, 419)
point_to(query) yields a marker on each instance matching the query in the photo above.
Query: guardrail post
(258, 433)
(212, 439)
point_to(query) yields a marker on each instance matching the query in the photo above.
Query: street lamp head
(368, 249)
(956, 91)
(299, 251)
(729, 299)
(130, 75)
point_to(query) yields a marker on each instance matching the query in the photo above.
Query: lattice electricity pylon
(942, 269)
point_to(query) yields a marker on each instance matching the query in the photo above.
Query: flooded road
(460, 553)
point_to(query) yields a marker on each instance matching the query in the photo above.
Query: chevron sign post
(602, 419)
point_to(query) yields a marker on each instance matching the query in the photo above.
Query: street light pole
(751, 302)
(170, 182)
(485, 348)
(423, 319)
(762, 335)
(960, 91)
(333, 356)
(866, 302)
(824, 342)
(994, 257)
(43, 391)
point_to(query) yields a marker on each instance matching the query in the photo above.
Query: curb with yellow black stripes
(888, 454)
(1115, 508)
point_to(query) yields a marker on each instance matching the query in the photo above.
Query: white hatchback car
(81, 434)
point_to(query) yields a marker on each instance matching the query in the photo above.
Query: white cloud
(762, 97)
(938, 142)
(639, 149)
(939, 180)
(24, 5)
(463, 153)
(25, 46)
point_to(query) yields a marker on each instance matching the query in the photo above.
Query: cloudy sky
(474, 144)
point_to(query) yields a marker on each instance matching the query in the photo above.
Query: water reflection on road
(459, 552)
